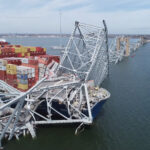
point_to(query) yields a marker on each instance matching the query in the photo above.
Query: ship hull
(96, 108)
(61, 108)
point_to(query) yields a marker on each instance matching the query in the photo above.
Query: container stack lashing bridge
(84, 58)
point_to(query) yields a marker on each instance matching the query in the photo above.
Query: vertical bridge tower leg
(127, 51)
(118, 43)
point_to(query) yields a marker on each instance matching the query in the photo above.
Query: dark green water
(123, 123)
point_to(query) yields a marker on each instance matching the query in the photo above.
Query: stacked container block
(32, 63)
(11, 74)
(20, 51)
(3, 64)
(24, 77)
(23, 73)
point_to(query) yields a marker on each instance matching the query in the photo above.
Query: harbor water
(124, 120)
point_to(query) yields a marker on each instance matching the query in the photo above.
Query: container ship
(22, 67)
(38, 89)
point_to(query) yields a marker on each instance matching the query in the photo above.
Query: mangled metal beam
(65, 97)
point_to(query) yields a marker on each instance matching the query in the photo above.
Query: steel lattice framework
(115, 55)
(86, 53)
(85, 57)
(117, 52)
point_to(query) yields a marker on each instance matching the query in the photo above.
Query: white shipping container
(33, 70)
(29, 70)
(25, 60)
(30, 75)
(3, 62)
(24, 71)
(41, 74)
(41, 65)
(36, 58)
(42, 70)
(33, 75)
(3, 68)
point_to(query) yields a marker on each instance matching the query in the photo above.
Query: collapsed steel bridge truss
(63, 97)
(119, 47)
(86, 53)
(115, 55)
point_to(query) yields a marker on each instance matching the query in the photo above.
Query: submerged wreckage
(69, 93)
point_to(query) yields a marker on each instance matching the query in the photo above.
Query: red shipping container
(12, 82)
(4, 55)
(33, 62)
(39, 49)
(19, 54)
(2, 75)
(13, 60)
(8, 45)
(30, 57)
(13, 50)
(17, 45)
(32, 53)
(28, 50)
(11, 76)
